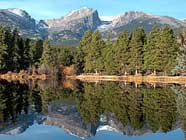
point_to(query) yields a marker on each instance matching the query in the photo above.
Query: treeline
(157, 51)
(17, 53)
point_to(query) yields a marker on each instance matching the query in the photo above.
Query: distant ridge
(70, 28)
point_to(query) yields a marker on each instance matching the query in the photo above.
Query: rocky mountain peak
(128, 17)
(17, 12)
(73, 16)
(75, 23)
(20, 19)
(81, 13)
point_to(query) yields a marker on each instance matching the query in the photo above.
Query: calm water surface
(72, 110)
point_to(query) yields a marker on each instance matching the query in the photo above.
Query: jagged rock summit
(17, 18)
(73, 25)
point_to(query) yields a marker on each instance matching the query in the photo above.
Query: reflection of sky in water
(42, 132)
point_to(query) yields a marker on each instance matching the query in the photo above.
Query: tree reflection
(130, 105)
(159, 108)
(142, 107)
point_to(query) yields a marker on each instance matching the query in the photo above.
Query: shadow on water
(89, 110)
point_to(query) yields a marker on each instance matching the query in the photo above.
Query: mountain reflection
(84, 108)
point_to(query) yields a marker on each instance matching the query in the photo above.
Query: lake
(74, 110)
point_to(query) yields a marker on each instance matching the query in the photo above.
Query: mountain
(21, 123)
(71, 27)
(17, 18)
(66, 116)
(130, 20)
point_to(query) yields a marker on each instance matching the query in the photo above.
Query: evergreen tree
(50, 59)
(168, 50)
(85, 41)
(181, 58)
(136, 49)
(116, 55)
(94, 58)
(3, 50)
(109, 57)
(109, 60)
(15, 51)
(82, 51)
(121, 52)
(65, 56)
(47, 56)
(35, 51)
(26, 57)
(152, 54)
(10, 44)
(21, 52)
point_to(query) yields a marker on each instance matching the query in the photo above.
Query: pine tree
(35, 51)
(82, 51)
(181, 58)
(9, 42)
(121, 51)
(109, 56)
(151, 51)
(85, 41)
(15, 51)
(3, 50)
(94, 58)
(47, 54)
(136, 49)
(109, 60)
(26, 56)
(65, 56)
(49, 58)
(20, 52)
(167, 50)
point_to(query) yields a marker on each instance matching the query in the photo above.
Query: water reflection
(85, 109)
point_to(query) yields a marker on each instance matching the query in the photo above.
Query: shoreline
(131, 78)
(22, 76)
(97, 78)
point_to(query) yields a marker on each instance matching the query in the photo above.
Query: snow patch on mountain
(107, 128)
(107, 18)
(17, 12)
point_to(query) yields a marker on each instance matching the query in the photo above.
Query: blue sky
(45, 9)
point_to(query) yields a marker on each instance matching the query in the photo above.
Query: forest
(158, 52)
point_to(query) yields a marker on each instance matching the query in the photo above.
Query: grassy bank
(132, 78)
(22, 75)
